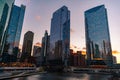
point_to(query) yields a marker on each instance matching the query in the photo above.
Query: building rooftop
(94, 9)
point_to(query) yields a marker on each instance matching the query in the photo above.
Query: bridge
(95, 70)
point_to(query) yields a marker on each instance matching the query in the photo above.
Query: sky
(39, 13)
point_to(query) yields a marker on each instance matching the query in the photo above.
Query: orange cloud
(84, 52)
(37, 17)
(115, 52)
(38, 44)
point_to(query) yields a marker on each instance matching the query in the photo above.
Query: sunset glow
(39, 13)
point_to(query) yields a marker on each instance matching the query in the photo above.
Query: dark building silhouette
(81, 59)
(114, 60)
(77, 59)
(37, 53)
(71, 58)
(27, 45)
(98, 43)
(36, 50)
(60, 35)
(45, 48)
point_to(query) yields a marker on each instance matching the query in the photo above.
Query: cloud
(37, 18)
(38, 44)
(84, 52)
(71, 30)
(115, 52)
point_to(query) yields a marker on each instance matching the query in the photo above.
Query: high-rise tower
(27, 45)
(98, 43)
(14, 28)
(5, 10)
(45, 48)
(60, 35)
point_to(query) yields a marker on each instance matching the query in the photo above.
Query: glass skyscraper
(98, 43)
(60, 35)
(14, 28)
(5, 10)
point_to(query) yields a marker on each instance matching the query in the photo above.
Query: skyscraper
(45, 48)
(14, 28)
(27, 45)
(5, 10)
(60, 35)
(20, 24)
(98, 43)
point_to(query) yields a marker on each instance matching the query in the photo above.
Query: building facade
(36, 54)
(77, 59)
(114, 59)
(36, 51)
(60, 35)
(14, 28)
(27, 45)
(98, 43)
(45, 48)
(5, 10)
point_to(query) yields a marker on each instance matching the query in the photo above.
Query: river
(67, 76)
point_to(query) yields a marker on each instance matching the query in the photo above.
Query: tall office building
(27, 45)
(98, 43)
(60, 35)
(45, 48)
(20, 24)
(14, 28)
(5, 10)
